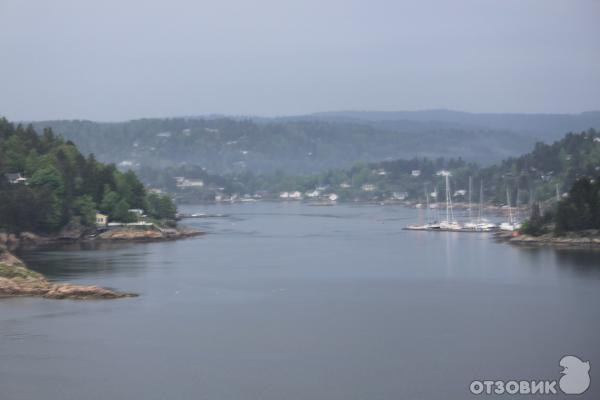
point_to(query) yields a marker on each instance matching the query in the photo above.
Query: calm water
(288, 301)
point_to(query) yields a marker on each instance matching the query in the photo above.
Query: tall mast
(470, 191)
(427, 203)
(447, 199)
(510, 218)
(480, 200)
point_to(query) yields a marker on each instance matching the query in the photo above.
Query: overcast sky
(123, 59)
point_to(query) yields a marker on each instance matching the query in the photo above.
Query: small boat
(450, 226)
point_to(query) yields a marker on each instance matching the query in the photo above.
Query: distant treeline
(293, 146)
(535, 176)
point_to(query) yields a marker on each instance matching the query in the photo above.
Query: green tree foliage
(61, 183)
(536, 224)
(580, 210)
(160, 206)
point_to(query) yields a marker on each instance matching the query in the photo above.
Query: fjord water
(289, 301)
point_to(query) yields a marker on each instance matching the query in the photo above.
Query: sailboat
(428, 225)
(512, 223)
(482, 224)
(449, 224)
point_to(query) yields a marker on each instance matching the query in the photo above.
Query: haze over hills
(542, 127)
(313, 143)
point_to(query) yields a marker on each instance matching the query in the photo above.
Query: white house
(345, 185)
(416, 172)
(284, 195)
(15, 178)
(333, 197)
(183, 182)
(399, 195)
(314, 193)
(368, 187)
(295, 195)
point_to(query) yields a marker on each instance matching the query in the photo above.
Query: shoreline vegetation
(51, 194)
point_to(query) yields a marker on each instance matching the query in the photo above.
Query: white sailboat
(450, 223)
(482, 224)
(512, 224)
(428, 225)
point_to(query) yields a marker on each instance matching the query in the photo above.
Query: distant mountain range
(312, 143)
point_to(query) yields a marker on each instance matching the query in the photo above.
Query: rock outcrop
(582, 239)
(18, 280)
(146, 233)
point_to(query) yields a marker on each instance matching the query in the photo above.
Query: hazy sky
(122, 59)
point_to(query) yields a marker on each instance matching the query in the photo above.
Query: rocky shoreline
(577, 240)
(18, 280)
(77, 235)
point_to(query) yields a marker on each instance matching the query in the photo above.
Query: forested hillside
(228, 145)
(541, 127)
(45, 183)
(537, 175)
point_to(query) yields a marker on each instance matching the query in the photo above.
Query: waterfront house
(101, 219)
(15, 178)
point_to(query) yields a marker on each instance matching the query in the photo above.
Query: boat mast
(517, 206)
(449, 211)
(470, 191)
(480, 200)
(427, 203)
(510, 217)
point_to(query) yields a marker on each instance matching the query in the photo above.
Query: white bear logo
(576, 379)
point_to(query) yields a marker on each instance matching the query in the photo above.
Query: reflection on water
(74, 260)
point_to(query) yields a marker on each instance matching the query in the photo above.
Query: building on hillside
(415, 172)
(101, 219)
(183, 183)
(400, 196)
(368, 187)
(14, 178)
